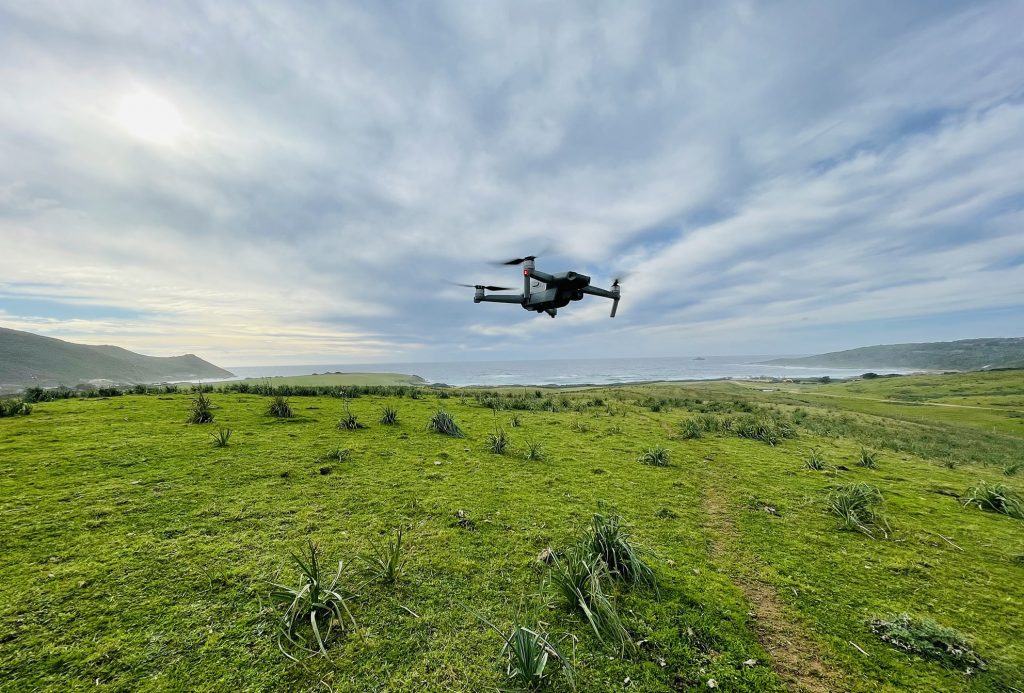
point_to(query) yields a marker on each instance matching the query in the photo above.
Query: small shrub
(691, 430)
(534, 451)
(497, 442)
(443, 394)
(280, 407)
(389, 416)
(578, 579)
(201, 411)
(925, 637)
(1012, 468)
(578, 426)
(609, 538)
(443, 423)
(387, 561)
(314, 610)
(868, 458)
(656, 456)
(221, 438)
(858, 507)
(349, 422)
(815, 461)
(515, 421)
(997, 498)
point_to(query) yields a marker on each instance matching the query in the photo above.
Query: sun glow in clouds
(150, 117)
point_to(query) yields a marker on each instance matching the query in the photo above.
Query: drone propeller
(481, 286)
(516, 260)
(618, 280)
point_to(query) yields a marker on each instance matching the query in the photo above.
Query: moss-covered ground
(135, 555)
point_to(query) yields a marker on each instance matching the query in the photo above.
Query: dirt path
(795, 657)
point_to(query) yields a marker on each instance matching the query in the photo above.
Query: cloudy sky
(293, 182)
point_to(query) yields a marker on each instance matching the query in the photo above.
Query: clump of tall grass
(515, 421)
(349, 422)
(578, 426)
(997, 498)
(221, 438)
(335, 455)
(815, 461)
(533, 657)
(389, 416)
(656, 456)
(534, 451)
(201, 411)
(314, 610)
(13, 407)
(388, 560)
(1012, 468)
(497, 442)
(858, 506)
(578, 578)
(925, 637)
(280, 407)
(609, 538)
(868, 458)
(442, 422)
(690, 429)
(767, 429)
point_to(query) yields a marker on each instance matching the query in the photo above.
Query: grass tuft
(533, 658)
(996, 498)
(609, 538)
(815, 460)
(280, 407)
(389, 416)
(656, 456)
(201, 411)
(578, 578)
(515, 421)
(221, 438)
(314, 610)
(691, 429)
(868, 458)
(534, 451)
(442, 422)
(925, 637)
(497, 442)
(387, 562)
(858, 507)
(349, 422)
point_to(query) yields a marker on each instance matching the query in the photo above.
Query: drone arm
(597, 291)
(538, 275)
(498, 298)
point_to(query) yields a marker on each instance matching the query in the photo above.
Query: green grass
(139, 556)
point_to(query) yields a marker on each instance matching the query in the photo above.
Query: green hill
(962, 355)
(28, 359)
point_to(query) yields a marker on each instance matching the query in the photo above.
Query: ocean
(570, 371)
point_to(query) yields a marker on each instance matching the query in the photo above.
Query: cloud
(779, 171)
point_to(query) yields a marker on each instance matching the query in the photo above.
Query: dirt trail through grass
(795, 657)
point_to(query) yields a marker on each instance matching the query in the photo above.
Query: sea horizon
(581, 371)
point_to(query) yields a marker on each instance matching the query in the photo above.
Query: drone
(543, 292)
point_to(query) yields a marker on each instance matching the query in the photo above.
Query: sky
(296, 182)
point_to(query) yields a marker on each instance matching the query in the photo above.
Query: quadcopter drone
(543, 292)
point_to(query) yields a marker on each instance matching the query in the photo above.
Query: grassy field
(332, 379)
(137, 555)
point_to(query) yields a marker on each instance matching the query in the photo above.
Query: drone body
(546, 293)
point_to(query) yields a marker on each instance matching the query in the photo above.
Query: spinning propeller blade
(516, 260)
(481, 286)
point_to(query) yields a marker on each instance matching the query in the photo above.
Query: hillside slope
(28, 359)
(962, 355)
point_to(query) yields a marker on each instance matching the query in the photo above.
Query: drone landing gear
(552, 311)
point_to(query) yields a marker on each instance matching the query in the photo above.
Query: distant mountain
(28, 359)
(962, 355)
